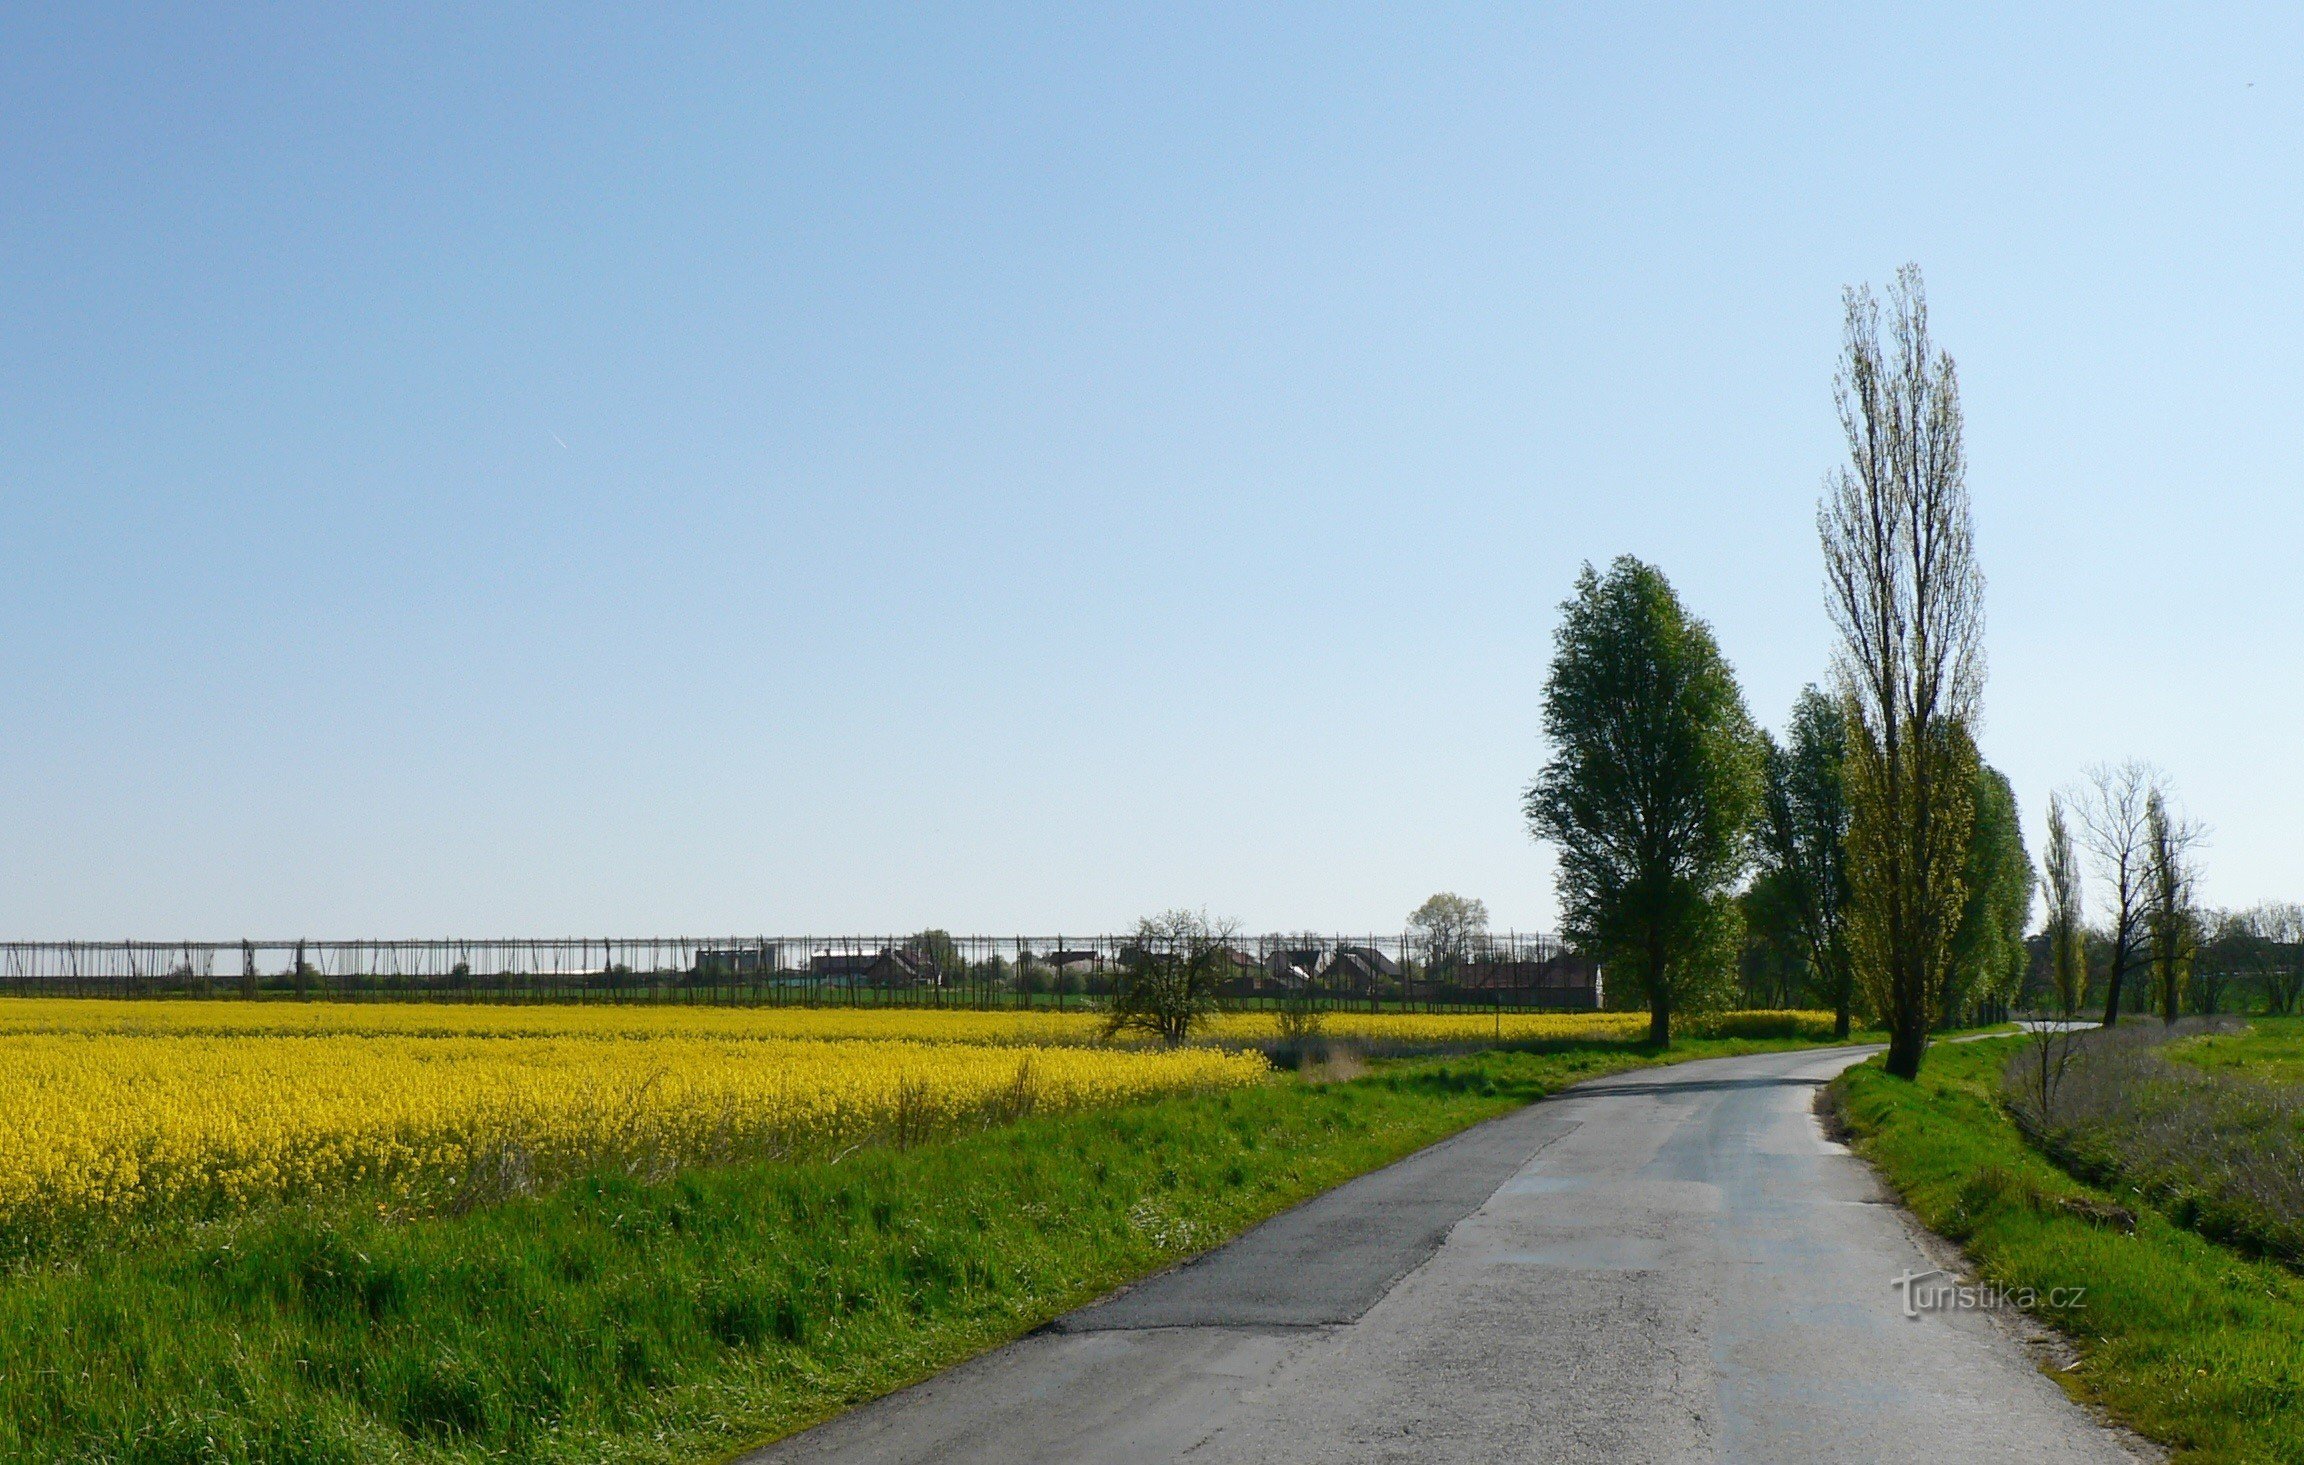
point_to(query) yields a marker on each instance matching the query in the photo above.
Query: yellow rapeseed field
(1034, 1028)
(227, 1018)
(113, 1122)
(117, 1109)
(1446, 1027)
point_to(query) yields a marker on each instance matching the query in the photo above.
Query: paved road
(1670, 1265)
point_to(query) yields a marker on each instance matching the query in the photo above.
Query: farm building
(1561, 981)
(1374, 960)
(756, 960)
(1349, 970)
(886, 967)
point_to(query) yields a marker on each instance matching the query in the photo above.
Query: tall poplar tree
(2172, 917)
(2066, 926)
(1908, 601)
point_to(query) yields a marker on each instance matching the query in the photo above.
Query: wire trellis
(1510, 971)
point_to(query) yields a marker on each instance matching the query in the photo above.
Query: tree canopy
(1651, 788)
(1448, 926)
(1989, 957)
(1803, 836)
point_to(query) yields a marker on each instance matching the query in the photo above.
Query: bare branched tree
(1908, 601)
(2276, 938)
(2114, 808)
(2171, 915)
(1171, 974)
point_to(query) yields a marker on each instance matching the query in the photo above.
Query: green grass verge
(619, 1321)
(2271, 1051)
(2189, 1342)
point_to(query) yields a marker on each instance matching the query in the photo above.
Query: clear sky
(555, 470)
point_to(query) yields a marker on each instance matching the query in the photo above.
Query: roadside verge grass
(2188, 1342)
(2216, 1149)
(617, 1320)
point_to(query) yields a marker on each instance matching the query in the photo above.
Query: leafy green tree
(1447, 927)
(1651, 789)
(1804, 842)
(2054, 1044)
(1988, 954)
(1774, 968)
(939, 954)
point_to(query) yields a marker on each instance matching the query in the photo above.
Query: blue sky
(567, 470)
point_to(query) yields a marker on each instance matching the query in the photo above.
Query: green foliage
(1910, 808)
(2172, 920)
(1448, 927)
(1790, 1024)
(1299, 1013)
(1775, 967)
(939, 952)
(1651, 789)
(1803, 885)
(2180, 1338)
(1988, 953)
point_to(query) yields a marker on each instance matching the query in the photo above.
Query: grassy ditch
(2180, 1116)
(2191, 1343)
(613, 1319)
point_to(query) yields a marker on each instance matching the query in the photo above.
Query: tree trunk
(2112, 984)
(1659, 993)
(1905, 1045)
(1908, 1023)
(1840, 1013)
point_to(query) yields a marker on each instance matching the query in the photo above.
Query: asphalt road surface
(1667, 1265)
